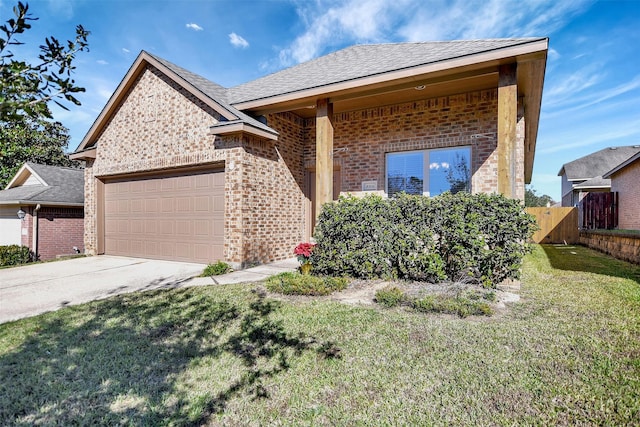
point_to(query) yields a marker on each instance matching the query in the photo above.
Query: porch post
(507, 121)
(324, 153)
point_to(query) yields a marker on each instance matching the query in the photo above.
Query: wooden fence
(599, 211)
(557, 225)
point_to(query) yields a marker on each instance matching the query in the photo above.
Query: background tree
(38, 141)
(26, 89)
(532, 199)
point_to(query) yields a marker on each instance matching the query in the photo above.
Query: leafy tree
(532, 199)
(26, 89)
(38, 141)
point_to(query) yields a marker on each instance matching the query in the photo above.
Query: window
(429, 172)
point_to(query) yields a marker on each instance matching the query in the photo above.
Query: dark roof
(63, 186)
(630, 160)
(595, 182)
(363, 61)
(598, 163)
(213, 91)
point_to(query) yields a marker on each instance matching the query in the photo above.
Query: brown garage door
(177, 217)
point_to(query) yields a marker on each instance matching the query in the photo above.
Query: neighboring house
(625, 180)
(50, 200)
(180, 168)
(585, 175)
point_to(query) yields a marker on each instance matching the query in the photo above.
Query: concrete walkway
(34, 289)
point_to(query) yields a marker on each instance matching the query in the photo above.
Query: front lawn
(568, 353)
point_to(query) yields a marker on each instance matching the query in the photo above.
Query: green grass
(568, 353)
(289, 283)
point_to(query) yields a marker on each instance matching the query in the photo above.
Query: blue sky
(591, 97)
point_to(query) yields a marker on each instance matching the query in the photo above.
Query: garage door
(10, 226)
(177, 217)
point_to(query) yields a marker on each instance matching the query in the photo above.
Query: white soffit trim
(22, 175)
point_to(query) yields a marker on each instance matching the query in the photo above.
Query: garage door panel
(174, 217)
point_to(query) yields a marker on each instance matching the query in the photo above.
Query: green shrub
(389, 296)
(462, 307)
(449, 237)
(216, 269)
(15, 255)
(303, 284)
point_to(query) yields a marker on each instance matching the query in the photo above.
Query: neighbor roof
(57, 186)
(595, 182)
(361, 61)
(598, 163)
(623, 165)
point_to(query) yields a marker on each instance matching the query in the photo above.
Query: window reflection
(429, 172)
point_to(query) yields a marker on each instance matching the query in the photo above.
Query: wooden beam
(324, 153)
(507, 121)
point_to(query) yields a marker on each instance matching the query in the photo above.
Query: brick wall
(468, 119)
(622, 246)
(625, 182)
(59, 230)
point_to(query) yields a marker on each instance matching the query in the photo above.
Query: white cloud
(102, 62)
(238, 41)
(194, 27)
(436, 165)
(125, 50)
(336, 23)
(358, 20)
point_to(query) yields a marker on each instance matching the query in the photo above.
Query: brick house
(180, 168)
(624, 180)
(586, 174)
(50, 200)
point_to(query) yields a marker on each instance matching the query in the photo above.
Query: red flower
(303, 251)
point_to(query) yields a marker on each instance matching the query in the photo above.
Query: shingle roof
(63, 186)
(363, 61)
(598, 163)
(212, 90)
(630, 160)
(595, 182)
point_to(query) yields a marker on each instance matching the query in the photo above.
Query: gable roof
(55, 185)
(623, 165)
(205, 90)
(360, 61)
(598, 163)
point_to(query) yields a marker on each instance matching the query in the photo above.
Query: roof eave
(227, 128)
(478, 60)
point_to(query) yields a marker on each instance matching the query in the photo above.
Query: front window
(429, 172)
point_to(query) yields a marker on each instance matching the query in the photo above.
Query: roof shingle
(363, 61)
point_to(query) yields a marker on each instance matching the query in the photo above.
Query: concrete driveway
(34, 289)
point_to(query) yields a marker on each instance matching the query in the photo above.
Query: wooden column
(324, 153)
(507, 121)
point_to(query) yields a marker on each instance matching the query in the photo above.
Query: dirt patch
(363, 292)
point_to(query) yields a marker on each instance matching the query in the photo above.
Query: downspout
(35, 232)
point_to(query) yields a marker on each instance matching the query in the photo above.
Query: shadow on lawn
(118, 361)
(580, 258)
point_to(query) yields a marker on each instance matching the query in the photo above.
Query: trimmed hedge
(451, 237)
(15, 255)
